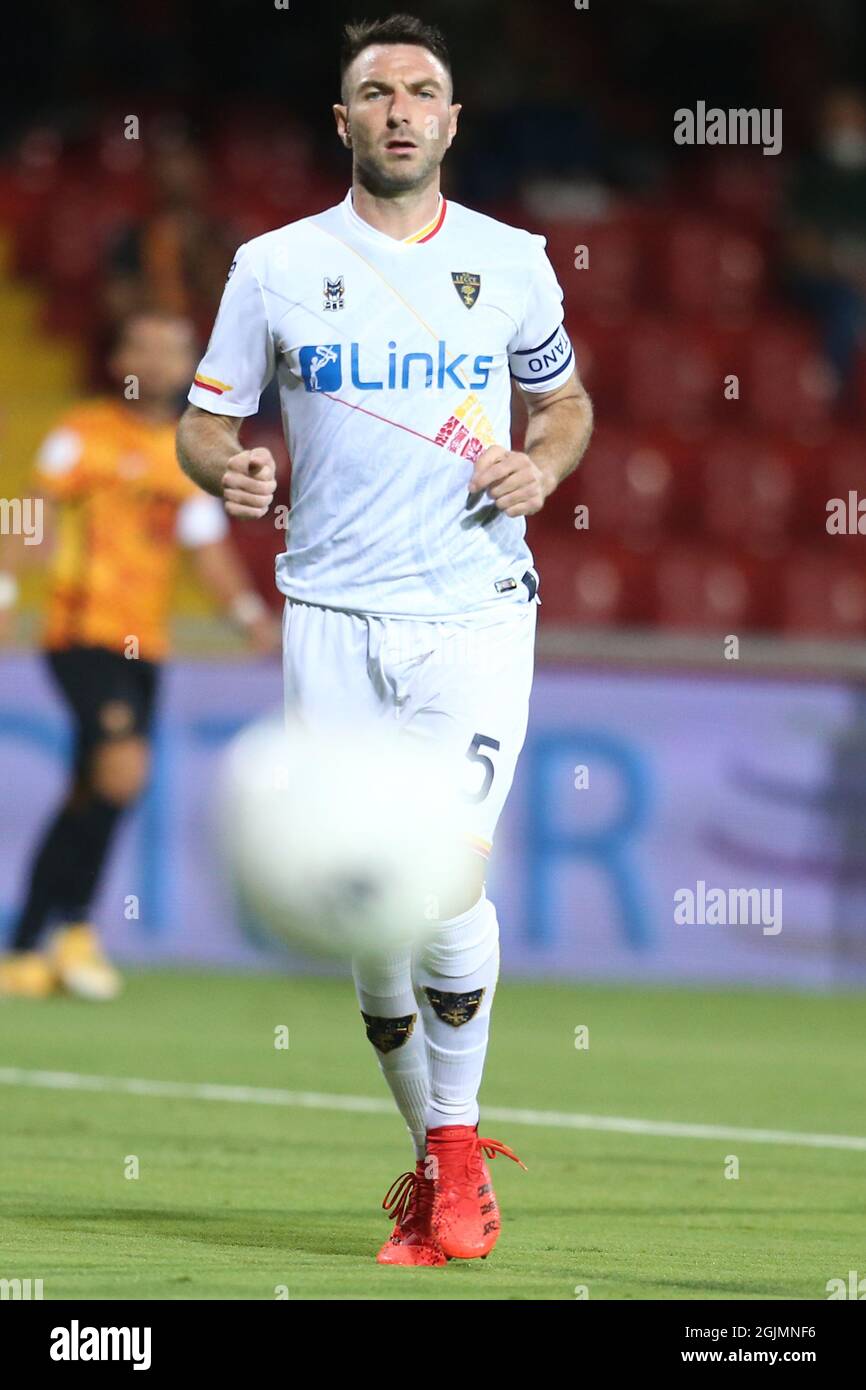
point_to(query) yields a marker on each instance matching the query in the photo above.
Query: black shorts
(109, 696)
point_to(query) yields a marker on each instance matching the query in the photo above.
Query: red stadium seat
(703, 589)
(627, 483)
(823, 596)
(673, 374)
(750, 492)
(590, 582)
(68, 310)
(785, 381)
(606, 288)
(842, 465)
(30, 177)
(712, 271)
(251, 149)
(81, 225)
(598, 356)
(743, 186)
(839, 471)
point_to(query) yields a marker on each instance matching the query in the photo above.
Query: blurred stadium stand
(703, 510)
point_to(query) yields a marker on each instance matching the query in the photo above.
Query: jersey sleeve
(239, 361)
(540, 355)
(60, 466)
(201, 520)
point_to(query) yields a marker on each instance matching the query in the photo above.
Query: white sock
(455, 978)
(395, 1028)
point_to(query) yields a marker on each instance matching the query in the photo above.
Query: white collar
(360, 225)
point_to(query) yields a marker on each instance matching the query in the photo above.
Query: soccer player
(395, 323)
(117, 510)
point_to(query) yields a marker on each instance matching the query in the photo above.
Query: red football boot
(465, 1211)
(409, 1203)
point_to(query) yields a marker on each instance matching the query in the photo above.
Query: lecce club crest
(467, 285)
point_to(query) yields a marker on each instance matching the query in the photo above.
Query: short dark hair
(118, 332)
(397, 28)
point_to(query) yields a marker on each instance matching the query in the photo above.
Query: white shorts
(465, 685)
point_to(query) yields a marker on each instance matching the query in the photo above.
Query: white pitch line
(370, 1105)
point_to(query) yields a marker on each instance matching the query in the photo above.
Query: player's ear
(453, 112)
(341, 116)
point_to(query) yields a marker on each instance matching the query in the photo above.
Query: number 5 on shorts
(474, 755)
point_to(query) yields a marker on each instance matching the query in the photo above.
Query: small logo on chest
(467, 285)
(335, 293)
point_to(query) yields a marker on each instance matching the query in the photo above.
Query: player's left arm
(558, 432)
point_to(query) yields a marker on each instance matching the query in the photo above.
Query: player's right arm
(209, 450)
(234, 371)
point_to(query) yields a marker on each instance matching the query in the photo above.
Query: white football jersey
(394, 361)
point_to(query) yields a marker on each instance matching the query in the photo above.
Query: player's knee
(119, 770)
(461, 946)
(457, 900)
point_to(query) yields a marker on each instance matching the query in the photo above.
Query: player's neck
(150, 412)
(401, 214)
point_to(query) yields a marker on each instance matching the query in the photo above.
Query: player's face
(160, 353)
(398, 119)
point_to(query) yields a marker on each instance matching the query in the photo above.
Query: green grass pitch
(234, 1200)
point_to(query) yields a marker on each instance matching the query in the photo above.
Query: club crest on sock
(387, 1034)
(454, 1009)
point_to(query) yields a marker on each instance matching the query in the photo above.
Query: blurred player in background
(116, 512)
(395, 323)
(173, 259)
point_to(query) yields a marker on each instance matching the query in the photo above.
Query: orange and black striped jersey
(124, 506)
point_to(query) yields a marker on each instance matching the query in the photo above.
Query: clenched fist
(249, 484)
(511, 480)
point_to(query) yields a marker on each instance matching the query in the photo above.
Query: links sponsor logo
(322, 369)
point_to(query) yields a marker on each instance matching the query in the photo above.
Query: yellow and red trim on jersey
(430, 230)
(210, 383)
(482, 847)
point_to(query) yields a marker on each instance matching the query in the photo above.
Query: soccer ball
(342, 841)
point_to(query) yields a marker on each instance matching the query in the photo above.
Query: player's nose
(398, 114)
